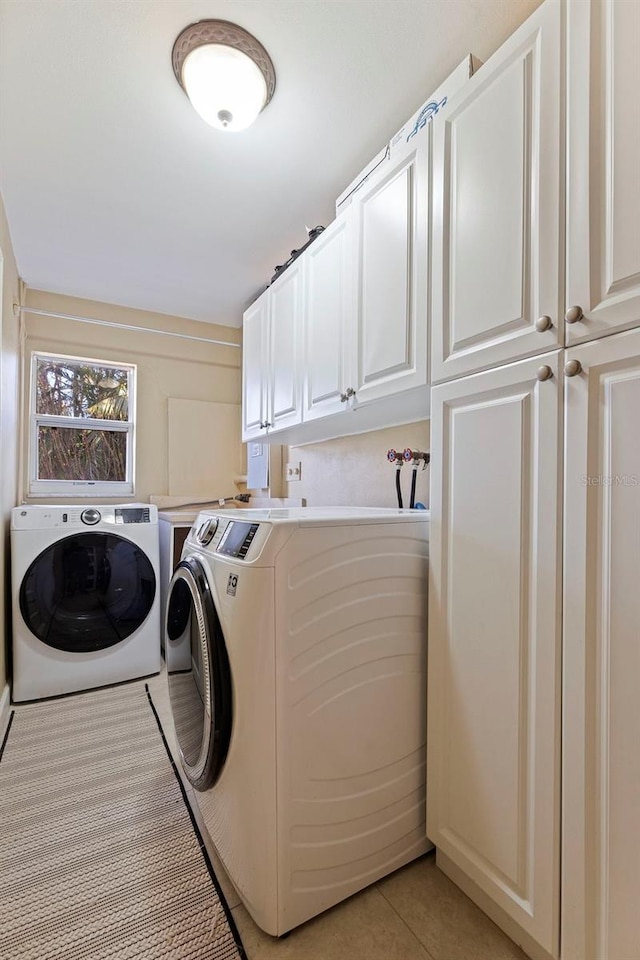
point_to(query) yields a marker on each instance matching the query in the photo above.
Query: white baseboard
(5, 710)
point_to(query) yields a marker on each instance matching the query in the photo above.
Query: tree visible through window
(81, 424)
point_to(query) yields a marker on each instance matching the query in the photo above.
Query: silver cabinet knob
(350, 392)
(544, 373)
(573, 314)
(572, 367)
(543, 323)
(343, 398)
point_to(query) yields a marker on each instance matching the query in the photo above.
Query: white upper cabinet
(493, 777)
(285, 323)
(601, 757)
(391, 213)
(255, 363)
(329, 320)
(603, 185)
(497, 207)
(271, 346)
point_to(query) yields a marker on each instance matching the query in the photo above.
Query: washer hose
(414, 476)
(398, 487)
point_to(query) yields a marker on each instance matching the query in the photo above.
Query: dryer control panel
(237, 539)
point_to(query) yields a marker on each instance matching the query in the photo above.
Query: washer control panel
(36, 517)
(206, 530)
(237, 539)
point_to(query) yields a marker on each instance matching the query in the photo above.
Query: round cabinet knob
(543, 323)
(350, 392)
(573, 314)
(544, 373)
(91, 516)
(572, 367)
(343, 398)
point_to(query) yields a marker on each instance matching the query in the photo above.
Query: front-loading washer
(85, 598)
(296, 658)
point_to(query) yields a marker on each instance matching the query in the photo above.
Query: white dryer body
(85, 597)
(323, 614)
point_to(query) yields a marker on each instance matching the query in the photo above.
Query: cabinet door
(286, 308)
(255, 344)
(329, 319)
(603, 186)
(497, 207)
(493, 787)
(601, 776)
(392, 303)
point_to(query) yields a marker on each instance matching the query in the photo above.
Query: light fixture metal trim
(229, 35)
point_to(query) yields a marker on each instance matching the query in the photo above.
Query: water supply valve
(416, 456)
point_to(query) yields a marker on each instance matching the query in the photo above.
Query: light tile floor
(416, 913)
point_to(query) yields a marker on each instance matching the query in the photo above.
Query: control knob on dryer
(91, 516)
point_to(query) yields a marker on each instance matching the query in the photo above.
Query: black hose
(413, 487)
(398, 488)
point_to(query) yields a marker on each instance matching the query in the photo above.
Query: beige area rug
(99, 855)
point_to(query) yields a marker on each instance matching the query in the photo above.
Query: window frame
(81, 488)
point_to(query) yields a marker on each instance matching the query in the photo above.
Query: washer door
(199, 674)
(87, 592)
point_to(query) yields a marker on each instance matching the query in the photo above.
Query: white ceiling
(114, 188)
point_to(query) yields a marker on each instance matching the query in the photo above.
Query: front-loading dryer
(296, 658)
(85, 598)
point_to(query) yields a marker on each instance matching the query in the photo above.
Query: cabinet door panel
(329, 320)
(603, 187)
(496, 208)
(254, 365)
(494, 638)
(392, 212)
(601, 815)
(286, 320)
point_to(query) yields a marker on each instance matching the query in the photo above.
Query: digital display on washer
(132, 515)
(237, 539)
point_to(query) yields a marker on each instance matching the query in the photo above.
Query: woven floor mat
(99, 856)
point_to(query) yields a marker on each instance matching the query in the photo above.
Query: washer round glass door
(199, 674)
(87, 592)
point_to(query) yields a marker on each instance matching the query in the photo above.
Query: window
(82, 422)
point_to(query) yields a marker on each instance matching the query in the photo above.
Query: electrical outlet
(293, 471)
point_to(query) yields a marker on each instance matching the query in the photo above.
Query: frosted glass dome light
(226, 73)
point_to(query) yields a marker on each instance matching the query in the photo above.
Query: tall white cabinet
(533, 784)
(603, 186)
(497, 206)
(601, 757)
(493, 803)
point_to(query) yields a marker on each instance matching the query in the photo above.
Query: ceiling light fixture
(226, 73)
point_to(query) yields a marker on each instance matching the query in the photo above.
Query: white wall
(168, 367)
(9, 343)
(354, 471)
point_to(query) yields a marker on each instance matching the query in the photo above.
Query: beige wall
(354, 471)
(167, 367)
(8, 422)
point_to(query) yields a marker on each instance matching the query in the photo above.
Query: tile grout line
(412, 932)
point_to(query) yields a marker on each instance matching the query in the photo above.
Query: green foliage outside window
(81, 391)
